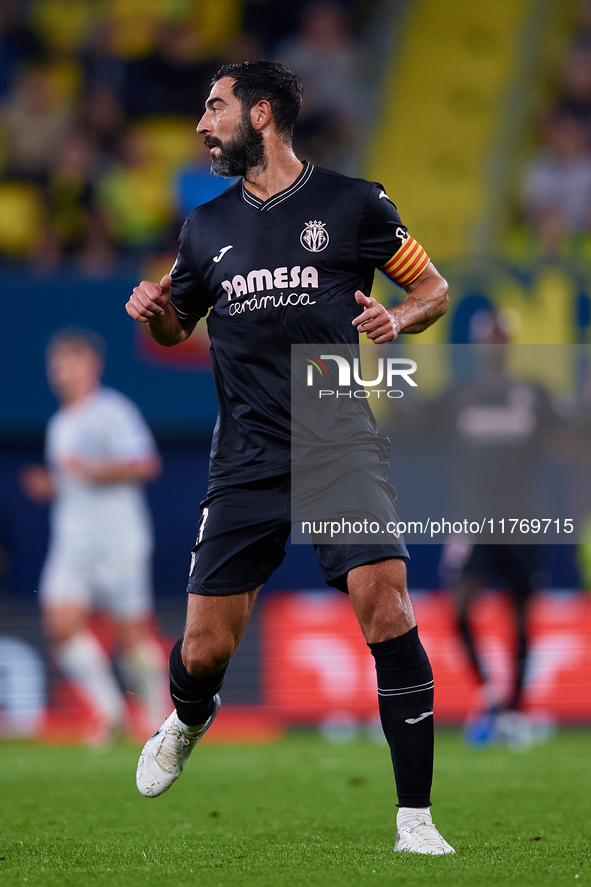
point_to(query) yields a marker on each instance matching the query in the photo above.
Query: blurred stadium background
(477, 120)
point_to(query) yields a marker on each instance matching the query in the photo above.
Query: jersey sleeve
(189, 296)
(130, 437)
(384, 242)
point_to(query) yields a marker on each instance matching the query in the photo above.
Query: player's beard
(244, 151)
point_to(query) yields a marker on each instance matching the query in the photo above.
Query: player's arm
(150, 304)
(170, 309)
(427, 301)
(386, 243)
(113, 471)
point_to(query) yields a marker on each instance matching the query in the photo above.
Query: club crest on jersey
(314, 237)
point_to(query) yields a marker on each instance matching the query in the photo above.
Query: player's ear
(261, 114)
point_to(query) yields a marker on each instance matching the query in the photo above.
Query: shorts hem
(223, 590)
(363, 559)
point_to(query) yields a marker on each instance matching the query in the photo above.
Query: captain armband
(406, 264)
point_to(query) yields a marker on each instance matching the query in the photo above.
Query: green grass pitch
(300, 812)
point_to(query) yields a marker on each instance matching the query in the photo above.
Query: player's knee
(60, 627)
(380, 623)
(203, 658)
(61, 634)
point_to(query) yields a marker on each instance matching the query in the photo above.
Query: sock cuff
(83, 645)
(177, 669)
(147, 654)
(204, 685)
(396, 645)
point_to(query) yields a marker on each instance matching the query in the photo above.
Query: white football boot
(165, 754)
(419, 835)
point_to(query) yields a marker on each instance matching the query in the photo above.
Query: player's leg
(144, 667)
(198, 664)
(124, 579)
(513, 726)
(375, 578)
(521, 652)
(65, 590)
(405, 682)
(522, 565)
(83, 660)
(468, 587)
(383, 607)
(240, 542)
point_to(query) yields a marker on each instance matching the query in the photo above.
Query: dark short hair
(261, 79)
(76, 338)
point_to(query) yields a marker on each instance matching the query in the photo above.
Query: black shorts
(242, 536)
(517, 565)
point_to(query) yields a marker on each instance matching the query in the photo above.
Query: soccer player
(100, 452)
(287, 255)
(499, 425)
(519, 566)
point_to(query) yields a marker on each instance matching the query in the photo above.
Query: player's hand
(375, 321)
(149, 300)
(81, 469)
(37, 483)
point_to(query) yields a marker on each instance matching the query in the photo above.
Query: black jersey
(276, 273)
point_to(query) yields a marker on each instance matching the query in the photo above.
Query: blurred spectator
(582, 35)
(102, 117)
(557, 185)
(574, 98)
(63, 24)
(102, 68)
(81, 69)
(74, 228)
(35, 125)
(247, 45)
(170, 80)
(135, 197)
(70, 189)
(214, 24)
(270, 22)
(18, 43)
(327, 60)
(98, 255)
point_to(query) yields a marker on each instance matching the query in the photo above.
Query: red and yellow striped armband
(406, 264)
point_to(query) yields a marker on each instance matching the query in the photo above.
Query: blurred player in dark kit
(99, 452)
(287, 255)
(499, 426)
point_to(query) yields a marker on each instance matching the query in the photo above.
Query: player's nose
(202, 126)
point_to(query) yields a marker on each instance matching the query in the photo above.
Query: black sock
(465, 631)
(514, 701)
(405, 693)
(192, 697)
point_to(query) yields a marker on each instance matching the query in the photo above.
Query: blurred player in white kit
(99, 453)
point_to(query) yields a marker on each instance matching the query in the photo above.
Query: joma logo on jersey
(314, 237)
(280, 278)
